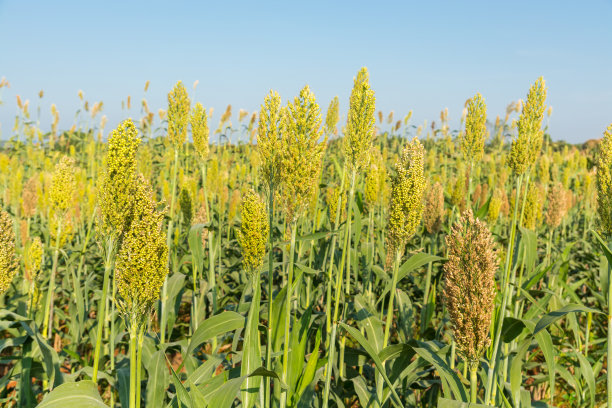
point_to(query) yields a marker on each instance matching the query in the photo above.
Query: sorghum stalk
(101, 313)
(288, 310)
(523, 154)
(169, 238)
(178, 118)
(268, 146)
(604, 209)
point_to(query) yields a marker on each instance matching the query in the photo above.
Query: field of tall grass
(285, 258)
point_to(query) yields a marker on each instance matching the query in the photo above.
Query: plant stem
(288, 308)
(164, 296)
(110, 248)
(505, 283)
(268, 389)
(473, 382)
(48, 322)
(133, 363)
(389, 320)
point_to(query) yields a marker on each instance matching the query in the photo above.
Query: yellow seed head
(8, 259)
(469, 290)
(199, 130)
(526, 147)
(301, 152)
(332, 117)
(253, 233)
(186, 206)
(63, 185)
(360, 123)
(604, 182)
(433, 215)
(533, 207)
(33, 259)
(557, 206)
(141, 263)
(178, 114)
(473, 138)
(269, 139)
(117, 184)
(407, 187)
(495, 205)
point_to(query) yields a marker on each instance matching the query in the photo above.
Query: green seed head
(178, 114)
(604, 182)
(63, 185)
(8, 259)
(301, 153)
(141, 263)
(332, 117)
(253, 233)
(269, 139)
(199, 130)
(361, 121)
(407, 187)
(33, 259)
(117, 184)
(526, 147)
(473, 138)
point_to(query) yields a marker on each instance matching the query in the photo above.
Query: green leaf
(552, 317)
(450, 379)
(448, 403)
(215, 326)
(158, 379)
(82, 394)
(374, 356)
(511, 329)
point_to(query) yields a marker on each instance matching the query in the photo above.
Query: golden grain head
(199, 130)
(8, 257)
(118, 181)
(253, 232)
(360, 123)
(528, 143)
(407, 187)
(178, 114)
(332, 117)
(301, 153)
(33, 259)
(63, 185)
(473, 138)
(469, 289)
(604, 182)
(433, 214)
(141, 262)
(269, 139)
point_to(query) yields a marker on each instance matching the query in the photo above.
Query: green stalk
(139, 363)
(425, 310)
(133, 364)
(110, 248)
(609, 336)
(268, 383)
(332, 343)
(473, 383)
(505, 283)
(391, 298)
(347, 254)
(288, 308)
(47, 325)
(164, 311)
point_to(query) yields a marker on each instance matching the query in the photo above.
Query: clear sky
(422, 56)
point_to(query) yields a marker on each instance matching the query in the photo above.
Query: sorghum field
(283, 259)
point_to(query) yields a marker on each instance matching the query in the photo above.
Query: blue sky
(423, 56)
